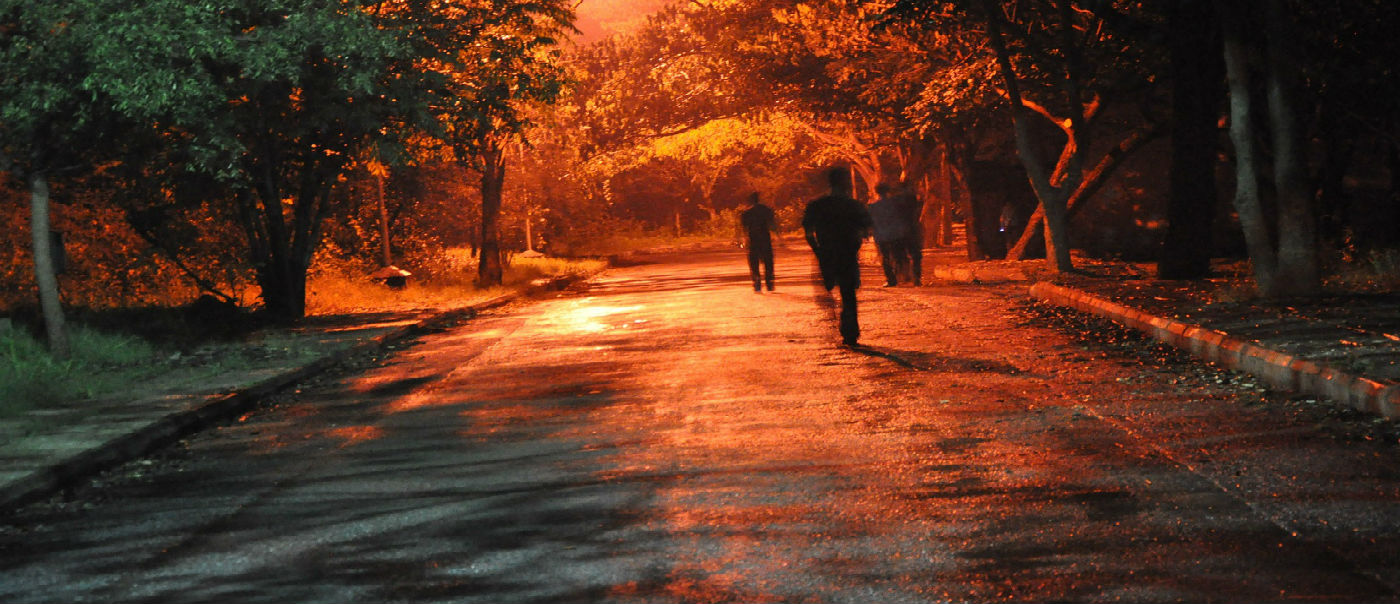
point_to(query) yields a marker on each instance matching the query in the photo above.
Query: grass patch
(138, 352)
(101, 363)
(523, 270)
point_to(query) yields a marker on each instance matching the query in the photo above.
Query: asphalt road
(668, 435)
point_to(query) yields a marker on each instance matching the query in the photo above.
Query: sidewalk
(1342, 348)
(47, 450)
(1353, 359)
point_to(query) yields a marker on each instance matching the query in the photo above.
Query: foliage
(430, 207)
(108, 264)
(482, 64)
(252, 113)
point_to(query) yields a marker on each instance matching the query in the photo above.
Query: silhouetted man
(913, 243)
(758, 222)
(835, 225)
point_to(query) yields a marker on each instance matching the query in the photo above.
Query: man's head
(839, 178)
(753, 198)
(883, 189)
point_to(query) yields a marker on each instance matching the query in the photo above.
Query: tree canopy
(246, 124)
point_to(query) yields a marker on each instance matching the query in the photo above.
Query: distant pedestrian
(835, 226)
(913, 243)
(892, 231)
(758, 222)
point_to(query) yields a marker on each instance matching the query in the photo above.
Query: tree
(1197, 71)
(270, 99)
(483, 63)
(1054, 40)
(1284, 255)
(47, 112)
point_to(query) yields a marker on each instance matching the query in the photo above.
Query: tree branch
(1093, 181)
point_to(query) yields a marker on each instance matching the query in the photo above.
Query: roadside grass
(101, 363)
(192, 357)
(343, 292)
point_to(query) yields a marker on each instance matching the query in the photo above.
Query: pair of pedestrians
(898, 234)
(835, 225)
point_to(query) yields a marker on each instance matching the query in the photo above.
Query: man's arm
(808, 226)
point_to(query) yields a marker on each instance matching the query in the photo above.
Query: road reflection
(587, 316)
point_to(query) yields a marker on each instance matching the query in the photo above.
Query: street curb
(1277, 369)
(967, 274)
(219, 407)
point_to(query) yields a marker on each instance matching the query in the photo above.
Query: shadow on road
(933, 362)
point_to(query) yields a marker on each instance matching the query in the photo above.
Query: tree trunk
(1052, 196)
(1247, 201)
(938, 215)
(283, 290)
(1196, 70)
(957, 167)
(1298, 270)
(387, 257)
(44, 271)
(280, 274)
(1056, 231)
(493, 175)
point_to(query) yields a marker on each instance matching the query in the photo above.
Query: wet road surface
(668, 435)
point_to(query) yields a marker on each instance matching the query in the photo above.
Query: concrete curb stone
(1277, 369)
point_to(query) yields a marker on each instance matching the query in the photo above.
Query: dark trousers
(762, 256)
(892, 259)
(903, 257)
(914, 248)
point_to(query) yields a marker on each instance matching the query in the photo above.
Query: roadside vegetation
(101, 362)
(118, 352)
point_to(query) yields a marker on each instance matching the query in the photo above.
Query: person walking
(835, 226)
(913, 243)
(758, 222)
(892, 232)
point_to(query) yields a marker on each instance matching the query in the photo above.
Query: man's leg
(825, 265)
(888, 262)
(916, 255)
(768, 267)
(848, 277)
(850, 324)
(753, 268)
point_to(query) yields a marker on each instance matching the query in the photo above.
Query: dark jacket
(835, 224)
(758, 221)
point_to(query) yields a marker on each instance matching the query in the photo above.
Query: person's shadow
(919, 360)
